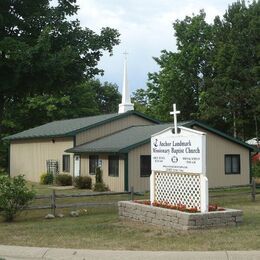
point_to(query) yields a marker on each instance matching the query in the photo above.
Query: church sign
(183, 152)
(178, 158)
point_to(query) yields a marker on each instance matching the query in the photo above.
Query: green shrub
(100, 187)
(63, 180)
(46, 178)
(256, 170)
(3, 172)
(14, 196)
(83, 182)
(99, 175)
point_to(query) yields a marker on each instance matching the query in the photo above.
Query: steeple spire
(126, 104)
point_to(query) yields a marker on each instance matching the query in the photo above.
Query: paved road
(29, 253)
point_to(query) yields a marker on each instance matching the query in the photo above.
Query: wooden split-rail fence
(54, 196)
(253, 187)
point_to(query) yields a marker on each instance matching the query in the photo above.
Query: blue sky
(146, 29)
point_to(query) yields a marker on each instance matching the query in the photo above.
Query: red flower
(179, 206)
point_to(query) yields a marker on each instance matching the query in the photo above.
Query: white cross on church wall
(174, 113)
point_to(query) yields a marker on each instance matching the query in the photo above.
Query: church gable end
(111, 127)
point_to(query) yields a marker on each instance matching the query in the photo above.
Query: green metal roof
(132, 137)
(70, 127)
(121, 142)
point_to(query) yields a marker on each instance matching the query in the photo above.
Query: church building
(120, 144)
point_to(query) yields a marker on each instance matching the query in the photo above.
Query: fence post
(253, 189)
(132, 193)
(53, 202)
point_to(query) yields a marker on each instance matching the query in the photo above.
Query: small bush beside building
(83, 182)
(47, 178)
(63, 180)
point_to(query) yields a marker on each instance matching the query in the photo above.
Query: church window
(145, 165)
(66, 163)
(232, 164)
(93, 164)
(113, 166)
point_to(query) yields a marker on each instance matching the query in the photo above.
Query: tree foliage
(182, 74)
(140, 101)
(214, 75)
(44, 51)
(86, 99)
(234, 95)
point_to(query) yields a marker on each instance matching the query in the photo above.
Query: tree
(140, 100)
(214, 75)
(184, 74)
(44, 52)
(234, 96)
(108, 97)
(86, 99)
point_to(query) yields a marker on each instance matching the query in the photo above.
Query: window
(66, 163)
(93, 164)
(113, 166)
(232, 164)
(145, 165)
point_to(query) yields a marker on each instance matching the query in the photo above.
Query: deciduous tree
(214, 75)
(44, 51)
(232, 98)
(184, 74)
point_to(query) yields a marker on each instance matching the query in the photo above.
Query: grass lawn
(100, 228)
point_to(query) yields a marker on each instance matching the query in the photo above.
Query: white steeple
(126, 104)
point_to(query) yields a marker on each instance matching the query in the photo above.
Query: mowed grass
(100, 228)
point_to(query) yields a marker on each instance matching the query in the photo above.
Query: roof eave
(9, 138)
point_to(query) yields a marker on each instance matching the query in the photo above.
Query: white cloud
(145, 27)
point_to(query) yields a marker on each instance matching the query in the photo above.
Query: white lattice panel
(178, 188)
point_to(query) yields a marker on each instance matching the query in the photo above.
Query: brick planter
(175, 219)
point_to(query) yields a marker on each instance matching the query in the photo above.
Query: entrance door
(76, 165)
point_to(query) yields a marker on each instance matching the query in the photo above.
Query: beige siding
(217, 147)
(109, 128)
(139, 183)
(114, 183)
(29, 157)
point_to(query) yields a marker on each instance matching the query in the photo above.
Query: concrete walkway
(19, 252)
